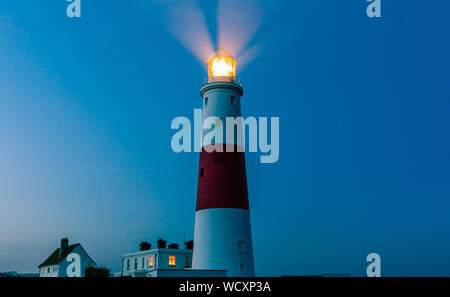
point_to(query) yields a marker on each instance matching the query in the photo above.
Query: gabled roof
(54, 258)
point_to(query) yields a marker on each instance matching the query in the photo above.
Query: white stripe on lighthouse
(223, 240)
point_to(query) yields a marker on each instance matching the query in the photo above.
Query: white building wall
(49, 271)
(160, 260)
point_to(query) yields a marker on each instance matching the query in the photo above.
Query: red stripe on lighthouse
(222, 181)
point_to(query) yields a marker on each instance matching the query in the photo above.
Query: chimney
(145, 246)
(173, 246)
(189, 245)
(161, 244)
(64, 246)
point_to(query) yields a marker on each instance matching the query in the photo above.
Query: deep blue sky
(364, 105)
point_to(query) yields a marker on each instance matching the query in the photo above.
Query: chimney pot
(145, 246)
(161, 244)
(64, 247)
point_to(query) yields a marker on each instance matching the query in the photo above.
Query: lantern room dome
(221, 52)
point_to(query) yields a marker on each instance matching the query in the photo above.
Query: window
(135, 263)
(202, 172)
(150, 261)
(232, 100)
(187, 261)
(48, 270)
(240, 246)
(218, 158)
(172, 261)
(143, 262)
(206, 101)
(128, 264)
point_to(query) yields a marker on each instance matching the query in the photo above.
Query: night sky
(364, 105)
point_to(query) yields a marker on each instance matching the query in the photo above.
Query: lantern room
(221, 67)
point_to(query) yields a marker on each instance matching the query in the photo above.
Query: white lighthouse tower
(222, 235)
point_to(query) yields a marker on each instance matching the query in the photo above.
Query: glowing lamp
(221, 67)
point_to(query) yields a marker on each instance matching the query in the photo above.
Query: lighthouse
(222, 234)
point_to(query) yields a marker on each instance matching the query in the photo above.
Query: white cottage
(66, 261)
(164, 261)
